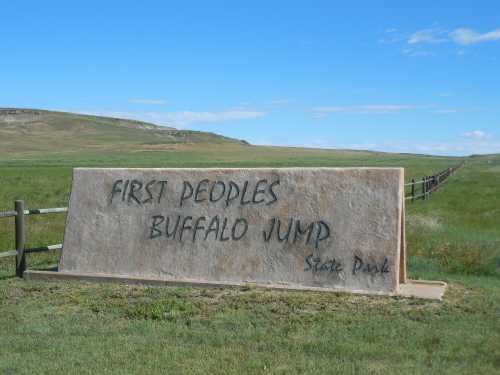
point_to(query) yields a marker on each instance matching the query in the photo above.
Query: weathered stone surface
(339, 228)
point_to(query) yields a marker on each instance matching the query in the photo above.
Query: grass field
(90, 328)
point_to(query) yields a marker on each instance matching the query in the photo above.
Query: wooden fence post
(424, 192)
(412, 190)
(19, 227)
(427, 187)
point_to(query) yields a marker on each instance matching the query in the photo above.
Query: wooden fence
(428, 185)
(20, 252)
(422, 189)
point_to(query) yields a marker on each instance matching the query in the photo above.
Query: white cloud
(280, 102)
(391, 35)
(413, 44)
(454, 147)
(432, 36)
(190, 117)
(464, 36)
(477, 135)
(368, 109)
(148, 101)
(413, 52)
(182, 119)
(445, 111)
(458, 145)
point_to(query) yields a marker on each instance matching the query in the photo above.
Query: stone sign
(298, 228)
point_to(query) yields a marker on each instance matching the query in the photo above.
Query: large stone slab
(298, 228)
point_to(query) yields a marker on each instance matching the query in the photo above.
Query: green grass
(88, 328)
(92, 328)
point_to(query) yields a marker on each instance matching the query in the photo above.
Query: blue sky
(393, 75)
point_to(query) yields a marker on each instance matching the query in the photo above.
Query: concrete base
(413, 288)
(423, 289)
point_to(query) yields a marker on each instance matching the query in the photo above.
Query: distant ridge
(25, 130)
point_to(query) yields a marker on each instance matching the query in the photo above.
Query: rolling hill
(31, 130)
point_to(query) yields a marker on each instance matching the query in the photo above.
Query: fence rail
(429, 184)
(37, 211)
